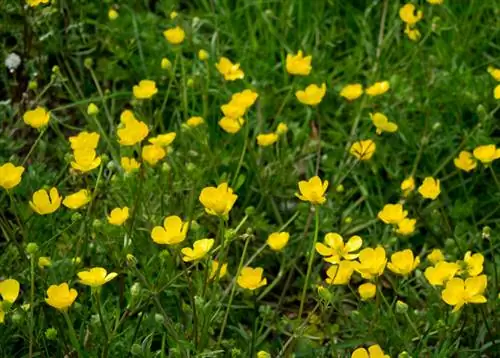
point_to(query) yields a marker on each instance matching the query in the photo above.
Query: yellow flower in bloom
(118, 216)
(84, 140)
(412, 33)
(312, 190)
(458, 293)
(165, 64)
(378, 88)
(199, 250)
(278, 240)
(435, 2)
(218, 201)
(245, 98)
(465, 161)
(10, 175)
(95, 277)
(251, 278)
(486, 153)
(44, 261)
(77, 200)
(392, 213)
(203, 55)
(61, 296)
(373, 352)
(340, 274)
(175, 35)
(9, 290)
(112, 14)
(282, 128)
(214, 267)
(92, 109)
(230, 71)
(42, 204)
(435, 256)
(382, 124)
(35, 3)
(409, 15)
(496, 92)
(233, 109)
(85, 160)
(129, 164)
(430, 188)
(194, 122)
(335, 249)
(152, 154)
(442, 272)
(312, 95)
(298, 64)
(263, 354)
(37, 117)
(371, 262)
(473, 263)
(268, 139)
(172, 232)
(367, 291)
(231, 125)
(163, 140)
(494, 72)
(352, 91)
(406, 226)
(363, 149)
(145, 89)
(403, 262)
(407, 186)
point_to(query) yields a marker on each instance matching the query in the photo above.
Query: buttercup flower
(218, 201)
(77, 200)
(367, 290)
(214, 267)
(458, 293)
(163, 140)
(129, 164)
(42, 204)
(268, 139)
(172, 232)
(233, 109)
(406, 226)
(496, 92)
(312, 190)
(335, 249)
(85, 160)
(312, 95)
(407, 186)
(282, 128)
(278, 240)
(263, 354)
(392, 213)
(194, 122)
(10, 175)
(175, 36)
(494, 72)
(382, 124)
(35, 3)
(378, 88)
(199, 250)
(231, 125)
(486, 153)
(44, 261)
(435, 2)
(363, 149)
(245, 98)
(409, 15)
(118, 216)
(298, 64)
(441, 273)
(373, 352)
(465, 161)
(61, 296)
(112, 14)
(473, 263)
(435, 256)
(133, 131)
(9, 290)
(371, 262)
(412, 33)
(403, 262)
(37, 117)
(352, 91)
(145, 89)
(152, 154)
(230, 71)
(340, 274)
(95, 277)
(251, 278)
(203, 55)
(430, 188)
(84, 141)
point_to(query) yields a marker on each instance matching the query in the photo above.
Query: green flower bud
(486, 232)
(75, 217)
(404, 354)
(51, 334)
(88, 63)
(194, 225)
(339, 188)
(33, 85)
(135, 290)
(136, 349)
(32, 248)
(250, 211)
(401, 307)
(159, 319)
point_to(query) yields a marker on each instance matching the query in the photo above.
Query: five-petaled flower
(37, 117)
(363, 149)
(218, 201)
(403, 262)
(465, 161)
(251, 278)
(278, 240)
(312, 95)
(230, 71)
(199, 250)
(298, 64)
(392, 213)
(173, 231)
(96, 277)
(118, 216)
(334, 249)
(371, 262)
(175, 35)
(77, 200)
(373, 351)
(145, 89)
(458, 293)
(352, 91)
(10, 175)
(313, 190)
(430, 188)
(43, 203)
(61, 296)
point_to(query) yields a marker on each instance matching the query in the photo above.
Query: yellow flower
(278, 240)
(96, 277)
(129, 164)
(218, 201)
(145, 89)
(163, 140)
(392, 213)
(465, 161)
(363, 149)
(199, 250)
(251, 278)
(175, 35)
(85, 160)
(263, 354)
(496, 92)
(230, 71)
(378, 88)
(194, 122)
(77, 200)
(172, 232)
(152, 154)
(233, 109)
(298, 64)
(412, 33)
(44, 261)
(373, 352)
(430, 188)
(382, 123)
(486, 153)
(435, 2)
(458, 293)
(203, 55)
(406, 226)
(35, 3)
(407, 186)
(245, 98)
(409, 16)
(403, 262)
(367, 291)
(84, 140)
(92, 109)
(42, 204)
(231, 125)
(282, 128)
(118, 216)
(441, 273)
(214, 266)
(312, 190)
(335, 249)
(61, 296)
(112, 14)
(494, 72)
(268, 139)
(352, 91)
(165, 64)
(473, 263)
(312, 95)
(340, 274)
(371, 262)
(10, 175)
(37, 117)
(435, 256)
(9, 290)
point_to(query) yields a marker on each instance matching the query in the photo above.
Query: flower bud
(339, 188)
(32, 85)
(325, 294)
(401, 307)
(92, 109)
(88, 63)
(32, 248)
(249, 211)
(159, 319)
(51, 334)
(75, 217)
(135, 290)
(486, 233)
(194, 225)
(136, 349)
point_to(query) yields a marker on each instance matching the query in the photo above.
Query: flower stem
(32, 301)
(103, 324)
(72, 333)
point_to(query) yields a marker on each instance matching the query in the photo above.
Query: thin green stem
(32, 302)
(103, 324)
(72, 334)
